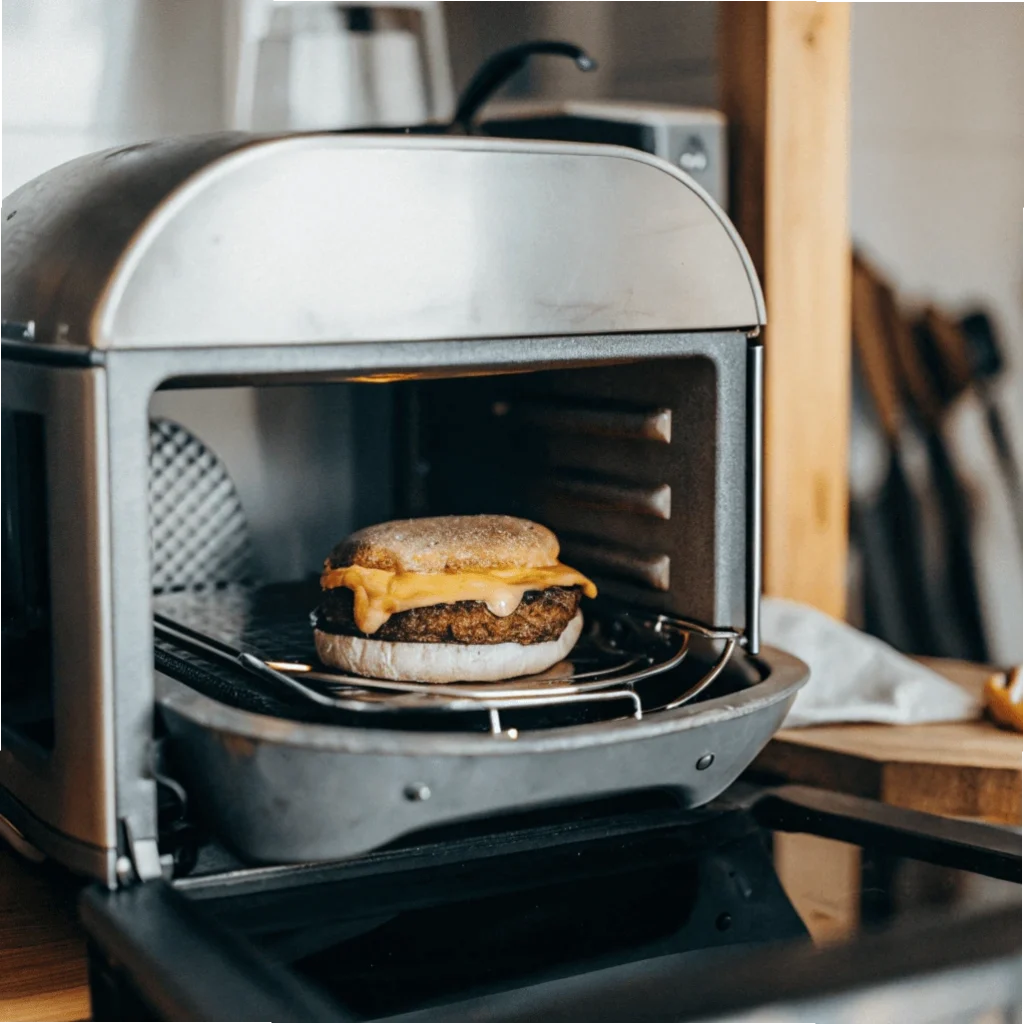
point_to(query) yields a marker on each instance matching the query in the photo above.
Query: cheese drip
(379, 594)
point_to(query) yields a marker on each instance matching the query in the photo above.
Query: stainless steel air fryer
(563, 331)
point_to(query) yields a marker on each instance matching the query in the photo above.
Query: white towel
(856, 677)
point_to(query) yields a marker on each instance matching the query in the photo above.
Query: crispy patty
(542, 615)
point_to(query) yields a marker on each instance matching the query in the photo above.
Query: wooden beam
(784, 69)
(785, 89)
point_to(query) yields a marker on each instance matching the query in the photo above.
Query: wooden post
(785, 89)
(785, 72)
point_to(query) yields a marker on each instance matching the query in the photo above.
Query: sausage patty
(542, 615)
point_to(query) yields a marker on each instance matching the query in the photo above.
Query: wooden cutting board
(962, 769)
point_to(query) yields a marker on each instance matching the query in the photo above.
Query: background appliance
(694, 139)
(307, 65)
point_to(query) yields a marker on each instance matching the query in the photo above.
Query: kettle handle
(501, 66)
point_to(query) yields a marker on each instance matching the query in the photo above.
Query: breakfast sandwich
(449, 598)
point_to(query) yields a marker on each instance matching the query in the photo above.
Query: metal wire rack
(617, 654)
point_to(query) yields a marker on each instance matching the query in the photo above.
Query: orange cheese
(380, 594)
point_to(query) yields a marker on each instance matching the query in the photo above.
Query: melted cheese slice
(380, 594)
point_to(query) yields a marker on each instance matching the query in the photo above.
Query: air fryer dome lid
(237, 239)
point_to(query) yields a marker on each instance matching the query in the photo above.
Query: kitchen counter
(961, 769)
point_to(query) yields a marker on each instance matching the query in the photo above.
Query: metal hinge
(143, 862)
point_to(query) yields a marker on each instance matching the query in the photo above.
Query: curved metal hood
(242, 239)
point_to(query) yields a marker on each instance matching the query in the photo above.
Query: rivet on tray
(705, 761)
(417, 792)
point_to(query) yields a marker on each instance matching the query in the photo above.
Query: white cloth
(856, 677)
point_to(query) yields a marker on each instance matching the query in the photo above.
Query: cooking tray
(283, 778)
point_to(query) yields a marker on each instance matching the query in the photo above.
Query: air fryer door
(155, 955)
(623, 912)
(553, 896)
(176, 966)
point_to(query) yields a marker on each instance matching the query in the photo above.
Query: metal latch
(143, 862)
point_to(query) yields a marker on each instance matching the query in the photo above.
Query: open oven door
(478, 927)
(155, 955)
(925, 974)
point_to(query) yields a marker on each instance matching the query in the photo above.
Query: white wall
(82, 75)
(937, 183)
(937, 155)
(49, 93)
(937, 177)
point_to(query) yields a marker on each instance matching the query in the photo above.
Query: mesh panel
(198, 534)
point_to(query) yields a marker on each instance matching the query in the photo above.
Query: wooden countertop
(962, 769)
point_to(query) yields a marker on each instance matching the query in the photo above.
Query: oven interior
(641, 468)
(631, 464)
(251, 487)
(619, 460)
